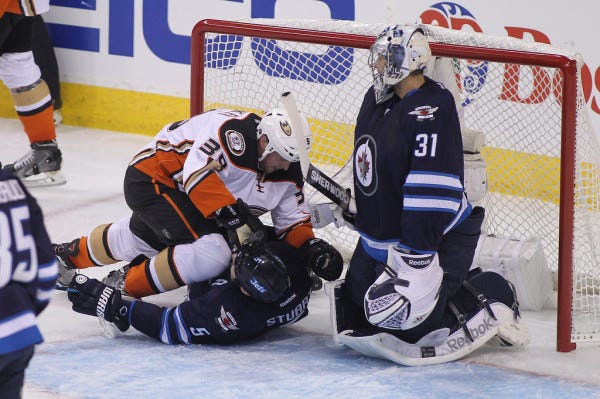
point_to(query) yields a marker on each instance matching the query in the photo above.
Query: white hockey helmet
(275, 124)
(397, 51)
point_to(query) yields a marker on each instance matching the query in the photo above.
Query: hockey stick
(313, 175)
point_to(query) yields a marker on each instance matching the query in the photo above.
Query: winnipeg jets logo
(424, 112)
(363, 165)
(226, 320)
(365, 171)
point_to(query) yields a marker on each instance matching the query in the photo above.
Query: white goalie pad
(406, 293)
(522, 262)
(473, 140)
(438, 346)
(332, 290)
(475, 176)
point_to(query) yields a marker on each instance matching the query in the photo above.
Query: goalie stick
(313, 175)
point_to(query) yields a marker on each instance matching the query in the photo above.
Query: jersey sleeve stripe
(435, 204)
(464, 211)
(165, 333)
(182, 330)
(48, 271)
(209, 194)
(430, 179)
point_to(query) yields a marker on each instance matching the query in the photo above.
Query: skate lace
(25, 160)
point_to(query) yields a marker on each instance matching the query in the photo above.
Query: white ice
(299, 361)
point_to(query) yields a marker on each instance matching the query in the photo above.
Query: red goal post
(542, 179)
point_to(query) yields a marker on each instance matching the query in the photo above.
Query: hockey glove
(324, 259)
(322, 215)
(231, 217)
(93, 298)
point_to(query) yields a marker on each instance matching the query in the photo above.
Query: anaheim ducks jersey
(24, 7)
(213, 157)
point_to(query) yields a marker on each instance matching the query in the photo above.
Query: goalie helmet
(397, 51)
(275, 124)
(260, 272)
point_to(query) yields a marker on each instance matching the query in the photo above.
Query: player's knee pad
(406, 293)
(19, 70)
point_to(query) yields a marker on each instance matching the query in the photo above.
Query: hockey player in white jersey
(195, 183)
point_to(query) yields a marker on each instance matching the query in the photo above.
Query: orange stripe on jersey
(180, 213)
(164, 161)
(137, 283)
(40, 126)
(210, 194)
(299, 235)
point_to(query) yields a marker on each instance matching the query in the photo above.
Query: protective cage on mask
(527, 98)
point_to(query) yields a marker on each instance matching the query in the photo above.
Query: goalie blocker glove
(93, 298)
(406, 293)
(324, 259)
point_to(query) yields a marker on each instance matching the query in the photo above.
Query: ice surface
(300, 361)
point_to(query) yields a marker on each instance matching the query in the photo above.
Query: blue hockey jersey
(408, 170)
(28, 267)
(220, 313)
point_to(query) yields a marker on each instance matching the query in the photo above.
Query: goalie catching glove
(406, 293)
(324, 259)
(93, 298)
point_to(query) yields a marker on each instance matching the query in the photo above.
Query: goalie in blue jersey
(408, 294)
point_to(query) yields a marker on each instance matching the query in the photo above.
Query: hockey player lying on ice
(409, 294)
(267, 286)
(184, 189)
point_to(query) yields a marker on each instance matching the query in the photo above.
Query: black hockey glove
(324, 259)
(231, 217)
(93, 298)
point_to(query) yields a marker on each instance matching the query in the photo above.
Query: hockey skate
(66, 269)
(40, 167)
(115, 279)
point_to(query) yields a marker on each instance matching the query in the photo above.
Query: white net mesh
(519, 108)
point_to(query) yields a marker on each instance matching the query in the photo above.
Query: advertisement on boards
(137, 52)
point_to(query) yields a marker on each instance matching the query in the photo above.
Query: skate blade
(44, 179)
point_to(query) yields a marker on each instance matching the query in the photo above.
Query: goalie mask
(397, 51)
(260, 272)
(276, 126)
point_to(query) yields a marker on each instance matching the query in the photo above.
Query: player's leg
(178, 265)
(167, 212)
(190, 247)
(33, 103)
(12, 371)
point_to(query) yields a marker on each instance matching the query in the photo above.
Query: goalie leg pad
(490, 287)
(344, 314)
(522, 262)
(475, 176)
(436, 347)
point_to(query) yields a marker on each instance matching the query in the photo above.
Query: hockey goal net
(541, 153)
